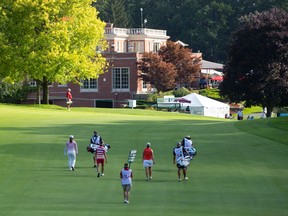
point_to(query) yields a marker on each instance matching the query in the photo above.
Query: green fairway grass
(240, 169)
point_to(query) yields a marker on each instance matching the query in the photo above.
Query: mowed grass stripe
(235, 172)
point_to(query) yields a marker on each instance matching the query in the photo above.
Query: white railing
(115, 31)
(135, 31)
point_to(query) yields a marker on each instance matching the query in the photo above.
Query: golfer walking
(148, 161)
(101, 158)
(126, 176)
(71, 150)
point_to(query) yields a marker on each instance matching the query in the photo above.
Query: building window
(33, 83)
(144, 84)
(136, 47)
(90, 85)
(156, 47)
(120, 78)
(117, 48)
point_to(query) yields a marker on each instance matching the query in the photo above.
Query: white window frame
(120, 79)
(144, 85)
(33, 83)
(156, 46)
(90, 85)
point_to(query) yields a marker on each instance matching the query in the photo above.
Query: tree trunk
(38, 93)
(269, 111)
(45, 91)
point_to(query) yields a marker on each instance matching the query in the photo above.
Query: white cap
(148, 144)
(71, 137)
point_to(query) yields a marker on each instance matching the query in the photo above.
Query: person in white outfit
(179, 159)
(71, 150)
(187, 144)
(263, 115)
(126, 176)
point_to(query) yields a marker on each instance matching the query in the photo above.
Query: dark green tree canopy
(114, 11)
(257, 70)
(205, 25)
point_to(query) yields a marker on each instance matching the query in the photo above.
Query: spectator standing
(69, 98)
(187, 109)
(71, 150)
(126, 176)
(101, 158)
(263, 115)
(240, 115)
(148, 160)
(178, 156)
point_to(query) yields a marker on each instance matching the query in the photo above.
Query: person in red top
(100, 157)
(148, 161)
(69, 98)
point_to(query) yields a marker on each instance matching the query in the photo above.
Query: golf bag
(184, 162)
(92, 148)
(192, 152)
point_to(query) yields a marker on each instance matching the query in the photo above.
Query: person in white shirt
(71, 150)
(240, 115)
(126, 176)
(94, 143)
(179, 157)
(263, 115)
(187, 143)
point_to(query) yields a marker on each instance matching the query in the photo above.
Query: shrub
(181, 92)
(14, 93)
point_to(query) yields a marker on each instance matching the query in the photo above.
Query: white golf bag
(184, 161)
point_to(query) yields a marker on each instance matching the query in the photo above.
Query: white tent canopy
(211, 72)
(200, 105)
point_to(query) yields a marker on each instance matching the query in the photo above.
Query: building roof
(181, 43)
(211, 65)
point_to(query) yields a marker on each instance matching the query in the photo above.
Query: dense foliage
(14, 93)
(157, 72)
(173, 66)
(206, 25)
(50, 41)
(257, 70)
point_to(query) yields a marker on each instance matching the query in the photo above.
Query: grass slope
(241, 167)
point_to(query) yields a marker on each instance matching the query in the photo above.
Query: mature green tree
(114, 11)
(209, 34)
(120, 16)
(50, 41)
(205, 25)
(257, 68)
(104, 9)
